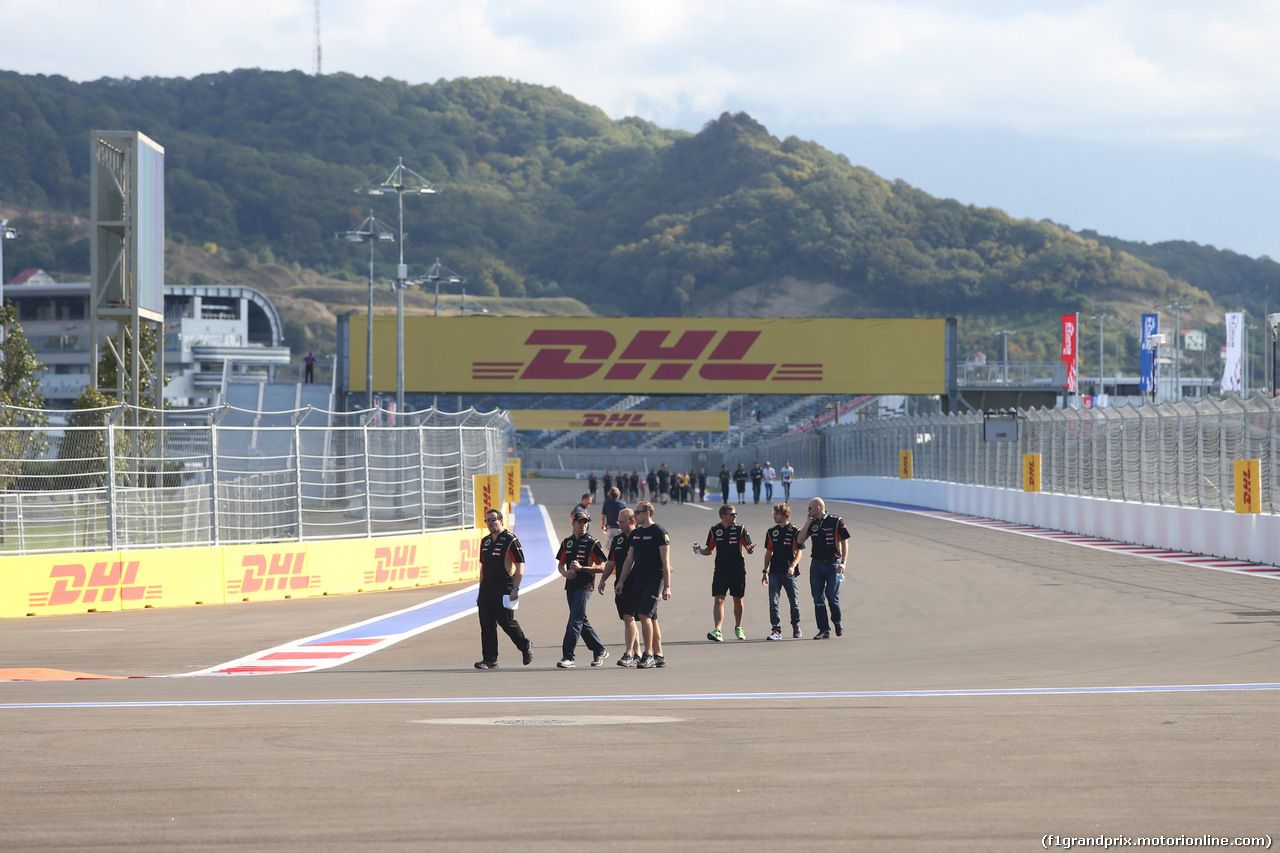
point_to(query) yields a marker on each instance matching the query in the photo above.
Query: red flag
(1070, 329)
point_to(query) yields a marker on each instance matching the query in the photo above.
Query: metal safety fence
(113, 479)
(1174, 454)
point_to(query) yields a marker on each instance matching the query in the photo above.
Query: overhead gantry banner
(656, 355)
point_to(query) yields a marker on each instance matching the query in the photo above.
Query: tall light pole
(401, 180)
(1005, 333)
(369, 231)
(1273, 323)
(440, 273)
(1177, 347)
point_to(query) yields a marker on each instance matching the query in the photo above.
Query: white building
(212, 335)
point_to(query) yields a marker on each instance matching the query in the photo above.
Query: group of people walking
(662, 485)
(636, 553)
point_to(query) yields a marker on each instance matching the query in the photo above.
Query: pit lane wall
(1247, 537)
(51, 584)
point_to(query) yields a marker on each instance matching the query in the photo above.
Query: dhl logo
(617, 420)
(73, 583)
(468, 557)
(1246, 486)
(279, 571)
(399, 563)
(722, 355)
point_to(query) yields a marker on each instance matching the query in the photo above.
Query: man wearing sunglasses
(727, 540)
(501, 570)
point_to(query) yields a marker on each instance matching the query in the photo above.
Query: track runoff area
(992, 691)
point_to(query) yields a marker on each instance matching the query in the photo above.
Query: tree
(21, 402)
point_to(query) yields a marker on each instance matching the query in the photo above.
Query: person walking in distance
(757, 477)
(781, 568)
(613, 506)
(727, 540)
(702, 485)
(576, 560)
(309, 364)
(625, 599)
(583, 506)
(769, 474)
(593, 484)
(501, 570)
(788, 476)
(650, 559)
(828, 554)
(740, 482)
(724, 484)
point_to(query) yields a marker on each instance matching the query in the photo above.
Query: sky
(1147, 121)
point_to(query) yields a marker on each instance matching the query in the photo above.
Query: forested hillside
(542, 195)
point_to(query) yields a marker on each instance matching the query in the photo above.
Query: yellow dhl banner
(655, 355)
(511, 482)
(1248, 482)
(488, 495)
(566, 419)
(1032, 472)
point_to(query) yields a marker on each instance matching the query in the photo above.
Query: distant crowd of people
(683, 486)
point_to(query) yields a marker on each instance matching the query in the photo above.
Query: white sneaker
(776, 634)
(566, 664)
(599, 659)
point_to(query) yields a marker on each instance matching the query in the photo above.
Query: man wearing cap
(501, 570)
(576, 561)
(769, 474)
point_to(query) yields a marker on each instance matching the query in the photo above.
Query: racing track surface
(990, 689)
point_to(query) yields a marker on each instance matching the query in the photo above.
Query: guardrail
(1174, 454)
(146, 479)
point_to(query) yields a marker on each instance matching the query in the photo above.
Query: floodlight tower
(401, 180)
(369, 231)
(8, 232)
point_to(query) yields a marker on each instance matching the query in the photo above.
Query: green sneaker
(737, 632)
(715, 636)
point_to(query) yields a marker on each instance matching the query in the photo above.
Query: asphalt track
(990, 689)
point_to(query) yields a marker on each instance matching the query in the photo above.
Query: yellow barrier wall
(53, 584)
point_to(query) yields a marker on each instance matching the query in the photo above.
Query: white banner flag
(1233, 366)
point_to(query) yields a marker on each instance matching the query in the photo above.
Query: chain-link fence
(1175, 454)
(118, 478)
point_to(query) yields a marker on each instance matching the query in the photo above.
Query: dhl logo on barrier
(395, 564)
(468, 557)
(529, 419)
(647, 349)
(657, 355)
(73, 583)
(279, 571)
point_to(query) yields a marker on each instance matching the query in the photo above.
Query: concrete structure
(212, 334)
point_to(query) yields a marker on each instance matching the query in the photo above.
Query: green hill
(544, 196)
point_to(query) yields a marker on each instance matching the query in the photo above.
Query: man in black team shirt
(727, 540)
(781, 568)
(576, 560)
(724, 484)
(650, 560)
(739, 480)
(829, 553)
(625, 599)
(501, 570)
(757, 477)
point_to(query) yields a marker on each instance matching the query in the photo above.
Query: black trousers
(494, 616)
